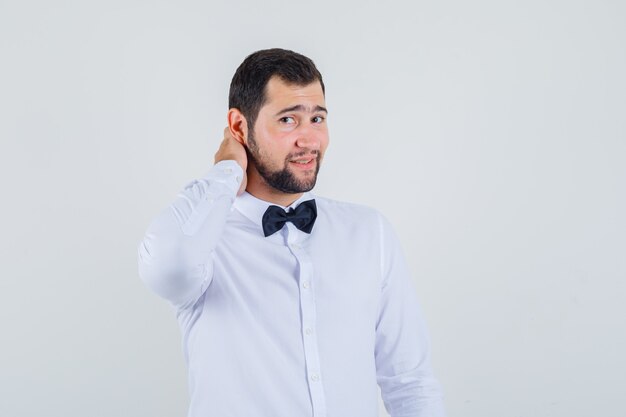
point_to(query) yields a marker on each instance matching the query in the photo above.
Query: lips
(304, 162)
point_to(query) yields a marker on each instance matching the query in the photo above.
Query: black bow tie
(303, 217)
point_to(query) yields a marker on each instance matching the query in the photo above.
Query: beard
(283, 179)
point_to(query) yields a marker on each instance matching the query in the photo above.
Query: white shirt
(294, 324)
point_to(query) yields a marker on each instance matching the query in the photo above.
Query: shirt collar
(253, 208)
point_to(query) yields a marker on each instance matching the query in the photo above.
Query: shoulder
(353, 215)
(342, 211)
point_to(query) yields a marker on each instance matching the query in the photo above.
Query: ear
(238, 126)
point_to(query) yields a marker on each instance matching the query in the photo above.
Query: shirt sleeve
(175, 255)
(404, 373)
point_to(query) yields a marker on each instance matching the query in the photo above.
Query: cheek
(324, 143)
(275, 151)
(269, 141)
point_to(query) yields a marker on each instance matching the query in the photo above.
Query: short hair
(247, 88)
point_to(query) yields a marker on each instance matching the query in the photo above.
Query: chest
(340, 269)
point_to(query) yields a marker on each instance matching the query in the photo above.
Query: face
(290, 137)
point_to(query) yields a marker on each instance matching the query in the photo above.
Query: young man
(290, 305)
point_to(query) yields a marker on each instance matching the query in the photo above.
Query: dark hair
(247, 88)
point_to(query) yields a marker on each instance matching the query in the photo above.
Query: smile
(304, 163)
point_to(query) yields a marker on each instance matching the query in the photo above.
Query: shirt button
(308, 330)
(305, 284)
(228, 170)
(315, 377)
(296, 246)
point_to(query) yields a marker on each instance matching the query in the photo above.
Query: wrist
(230, 158)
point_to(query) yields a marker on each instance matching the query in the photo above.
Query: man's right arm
(175, 256)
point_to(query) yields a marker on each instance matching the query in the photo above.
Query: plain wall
(492, 134)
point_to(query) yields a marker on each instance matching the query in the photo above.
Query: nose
(308, 138)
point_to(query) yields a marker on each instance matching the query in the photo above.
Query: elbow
(155, 266)
(161, 270)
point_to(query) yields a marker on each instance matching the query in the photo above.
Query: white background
(491, 133)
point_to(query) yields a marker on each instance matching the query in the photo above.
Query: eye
(318, 119)
(287, 120)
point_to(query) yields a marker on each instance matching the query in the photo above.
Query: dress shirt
(293, 324)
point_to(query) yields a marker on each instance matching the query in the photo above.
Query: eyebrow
(300, 107)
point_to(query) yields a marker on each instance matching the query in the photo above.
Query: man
(289, 305)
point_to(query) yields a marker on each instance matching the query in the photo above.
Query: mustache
(315, 153)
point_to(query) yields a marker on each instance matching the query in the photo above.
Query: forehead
(280, 94)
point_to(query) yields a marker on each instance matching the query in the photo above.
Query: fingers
(227, 134)
(231, 149)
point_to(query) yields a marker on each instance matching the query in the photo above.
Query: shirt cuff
(227, 172)
(214, 193)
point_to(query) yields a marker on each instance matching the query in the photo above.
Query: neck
(275, 197)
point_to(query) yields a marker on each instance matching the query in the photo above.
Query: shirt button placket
(307, 304)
